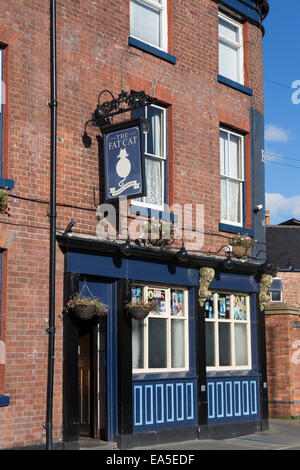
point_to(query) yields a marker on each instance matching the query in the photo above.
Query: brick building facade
(283, 320)
(96, 50)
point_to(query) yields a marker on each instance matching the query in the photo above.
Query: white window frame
(276, 290)
(240, 180)
(169, 318)
(232, 321)
(162, 8)
(238, 45)
(162, 158)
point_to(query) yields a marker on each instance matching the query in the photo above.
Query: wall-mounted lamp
(125, 248)
(228, 263)
(182, 254)
(68, 229)
(258, 208)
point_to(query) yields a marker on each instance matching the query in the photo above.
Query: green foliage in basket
(76, 301)
(242, 240)
(140, 304)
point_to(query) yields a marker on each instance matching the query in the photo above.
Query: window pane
(224, 212)
(155, 134)
(177, 343)
(224, 306)
(234, 157)
(137, 294)
(224, 344)
(224, 152)
(145, 22)
(158, 296)
(239, 308)
(241, 344)
(275, 296)
(210, 343)
(276, 284)
(137, 343)
(153, 170)
(157, 329)
(177, 302)
(229, 30)
(234, 201)
(209, 308)
(228, 61)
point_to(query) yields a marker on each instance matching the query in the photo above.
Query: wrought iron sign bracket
(106, 110)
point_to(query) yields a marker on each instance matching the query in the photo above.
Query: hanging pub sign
(123, 160)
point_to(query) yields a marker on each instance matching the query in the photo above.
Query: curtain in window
(153, 181)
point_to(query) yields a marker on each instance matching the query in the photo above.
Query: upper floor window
(227, 327)
(276, 290)
(155, 143)
(148, 22)
(231, 55)
(160, 342)
(232, 177)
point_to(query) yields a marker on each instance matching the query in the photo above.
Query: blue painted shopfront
(169, 400)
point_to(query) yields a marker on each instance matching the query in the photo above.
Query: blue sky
(282, 116)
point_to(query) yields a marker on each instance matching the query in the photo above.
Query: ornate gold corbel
(206, 277)
(265, 284)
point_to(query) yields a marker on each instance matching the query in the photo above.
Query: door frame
(70, 364)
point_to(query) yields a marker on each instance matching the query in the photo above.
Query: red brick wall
(283, 360)
(93, 55)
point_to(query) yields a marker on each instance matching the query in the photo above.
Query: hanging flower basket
(157, 232)
(139, 310)
(241, 244)
(239, 251)
(86, 308)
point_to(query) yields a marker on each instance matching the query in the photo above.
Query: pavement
(283, 434)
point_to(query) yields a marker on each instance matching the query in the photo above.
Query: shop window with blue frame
(228, 333)
(232, 177)
(155, 151)
(276, 290)
(160, 342)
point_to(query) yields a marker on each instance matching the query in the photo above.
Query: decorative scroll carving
(206, 277)
(265, 284)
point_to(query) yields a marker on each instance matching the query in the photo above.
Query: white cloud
(282, 208)
(276, 134)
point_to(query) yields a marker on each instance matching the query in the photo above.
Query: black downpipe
(52, 216)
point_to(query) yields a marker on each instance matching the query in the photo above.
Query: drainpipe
(52, 216)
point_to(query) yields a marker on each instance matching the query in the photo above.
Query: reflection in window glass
(241, 344)
(157, 343)
(224, 344)
(177, 343)
(137, 344)
(210, 344)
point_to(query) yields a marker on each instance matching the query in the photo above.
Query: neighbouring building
(283, 319)
(188, 151)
